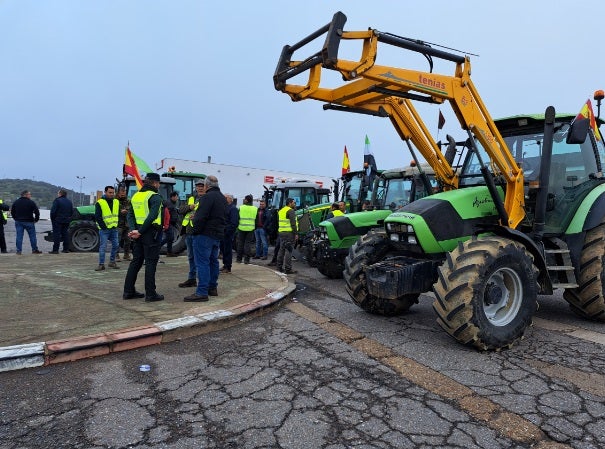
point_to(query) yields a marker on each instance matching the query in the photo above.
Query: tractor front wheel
(84, 236)
(368, 250)
(486, 292)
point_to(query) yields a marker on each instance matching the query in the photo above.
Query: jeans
(104, 236)
(262, 247)
(60, 234)
(146, 249)
(30, 227)
(206, 261)
(190, 256)
(227, 249)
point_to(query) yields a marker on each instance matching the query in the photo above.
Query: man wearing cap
(245, 229)
(288, 235)
(188, 212)
(145, 221)
(208, 230)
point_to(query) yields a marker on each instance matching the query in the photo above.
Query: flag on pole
(346, 165)
(133, 164)
(441, 121)
(587, 112)
(369, 163)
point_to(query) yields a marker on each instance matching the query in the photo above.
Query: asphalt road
(321, 373)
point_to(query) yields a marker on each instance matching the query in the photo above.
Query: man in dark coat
(26, 214)
(208, 231)
(226, 246)
(60, 217)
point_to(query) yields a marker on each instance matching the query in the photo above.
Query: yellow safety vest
(188, 218)
(247, 217)
(110, 217)
(337, 213)
(4, 214)
(284, 224)
(140, 207)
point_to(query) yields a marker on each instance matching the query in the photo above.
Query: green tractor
(84, 233)
(307, 194)
(522, 211)
(392, 190)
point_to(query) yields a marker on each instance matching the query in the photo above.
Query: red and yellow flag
(587, 112)
(346, 166)
(130, 167)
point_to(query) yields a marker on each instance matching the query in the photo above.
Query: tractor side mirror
(578, 131)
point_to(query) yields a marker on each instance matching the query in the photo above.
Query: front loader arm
(389, 91)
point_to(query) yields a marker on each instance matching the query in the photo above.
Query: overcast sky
(192, 79)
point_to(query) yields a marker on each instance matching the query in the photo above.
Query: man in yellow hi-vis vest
(288, 235)
(245, 229)
(107, 210)
(145, 223)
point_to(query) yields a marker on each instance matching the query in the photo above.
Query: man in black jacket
(60, 216)
(26, 213)
(208, 231)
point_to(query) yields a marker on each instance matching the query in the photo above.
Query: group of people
(26, 214)
(211, 223)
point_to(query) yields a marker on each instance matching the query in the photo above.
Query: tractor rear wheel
(369, 249)
(84, 236)
(588, 300)
(486, 292)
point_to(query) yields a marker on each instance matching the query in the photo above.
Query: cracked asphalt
(320, 373)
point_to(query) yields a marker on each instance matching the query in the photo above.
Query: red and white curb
(33, 355)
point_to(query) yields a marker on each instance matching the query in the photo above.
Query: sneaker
(154, 297)
(188, 283)
(118, 258)
(66, 251)
(171, 255)
(225, 270)
(290, 271)
(113, 265)
(53, 252)
(101, 267)
(255, 257)
(127, 257)
(212, 292)
(36, 251)
(272, 264)
(18, 253)
(263, 258)
(247, 260)
(239, 261)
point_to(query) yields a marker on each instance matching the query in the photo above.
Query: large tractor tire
(331, 268)
(369, 249)
(84, 237)
(588, 300)
(486, 292)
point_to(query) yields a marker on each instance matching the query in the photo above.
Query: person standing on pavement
(288, 235)
(245, 229)
(3, 221)
(26, 214)
(187, 211)
(226, 245)
(208, 231)
(60, 217)
(123, 239)
(173, 210)
(145, 221)
(107, 211)
(261, 226)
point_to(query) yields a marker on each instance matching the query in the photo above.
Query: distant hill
(43, 193)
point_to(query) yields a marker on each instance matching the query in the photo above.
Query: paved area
(56, 308)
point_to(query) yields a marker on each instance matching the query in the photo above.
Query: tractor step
(560, 268)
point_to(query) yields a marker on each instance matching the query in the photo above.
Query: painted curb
(32, 355)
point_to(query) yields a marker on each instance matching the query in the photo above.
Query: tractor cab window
(352, 187)
(398, 193)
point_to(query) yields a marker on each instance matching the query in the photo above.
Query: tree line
(43, 193)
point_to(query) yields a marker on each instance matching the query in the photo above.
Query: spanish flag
(133, 164)
(346, 166)
(587, 112)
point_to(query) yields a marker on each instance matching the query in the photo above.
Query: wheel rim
(85, 239)
(503, 296)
